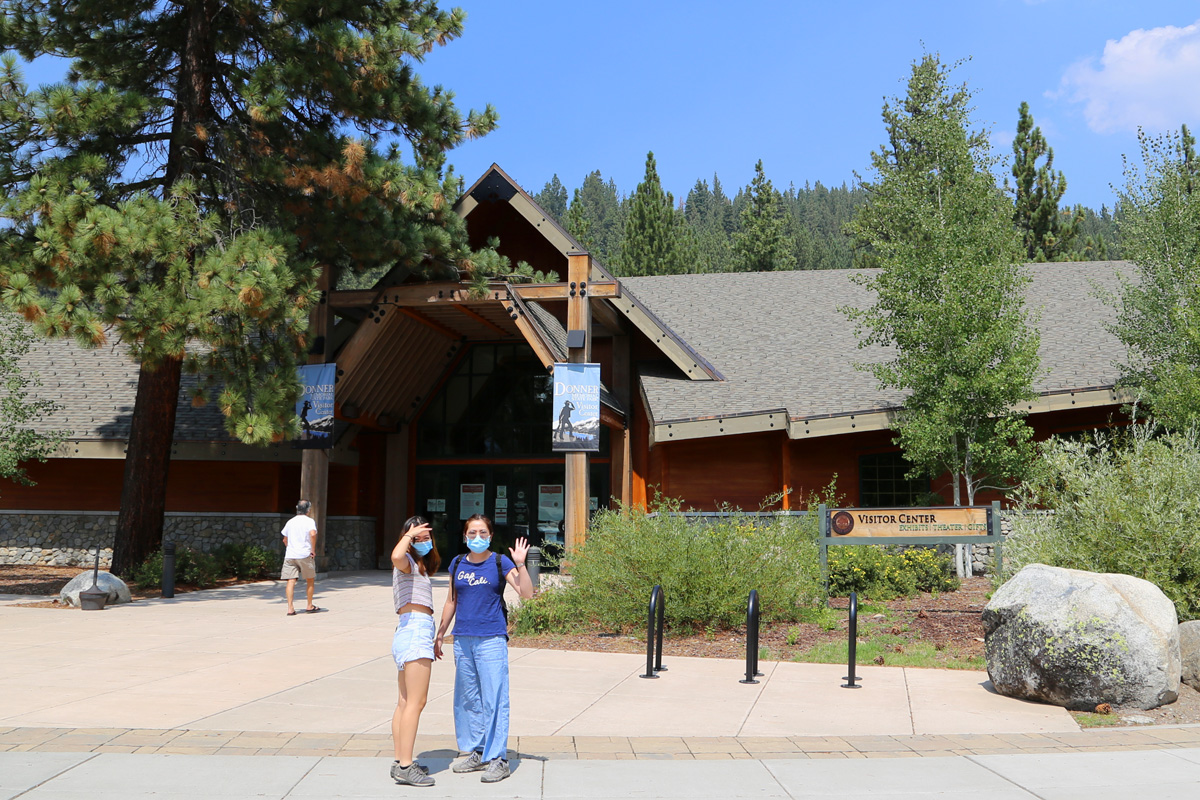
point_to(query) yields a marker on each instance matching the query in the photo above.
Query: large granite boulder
(116, 589)
(1078, 639)
(1189, 652)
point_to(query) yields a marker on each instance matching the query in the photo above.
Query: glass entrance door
(520, 499)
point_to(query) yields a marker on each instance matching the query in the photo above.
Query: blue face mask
(422, 548)
(478, 544)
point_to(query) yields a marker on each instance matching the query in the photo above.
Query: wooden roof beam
(520, 317)
(415, 294)
(562, 291)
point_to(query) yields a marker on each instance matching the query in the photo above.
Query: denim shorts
(413, 639)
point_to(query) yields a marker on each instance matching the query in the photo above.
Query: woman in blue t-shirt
(477, 582)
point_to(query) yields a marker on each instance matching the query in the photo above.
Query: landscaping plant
(879, 573)
(706, 568)
(1116, 502)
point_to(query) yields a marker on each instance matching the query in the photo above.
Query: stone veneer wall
(69, 538)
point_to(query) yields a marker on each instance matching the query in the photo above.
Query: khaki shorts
(299, 568)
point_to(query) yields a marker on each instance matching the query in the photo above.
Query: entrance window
(496, 405)
(882, 482)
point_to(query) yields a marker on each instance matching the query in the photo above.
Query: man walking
(300, 536)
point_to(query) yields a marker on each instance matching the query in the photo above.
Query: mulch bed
(951, 618)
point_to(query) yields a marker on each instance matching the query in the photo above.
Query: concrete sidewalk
(1164, 775)
(218, 694)
(230, 660)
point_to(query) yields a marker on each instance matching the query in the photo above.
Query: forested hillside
(759, 227)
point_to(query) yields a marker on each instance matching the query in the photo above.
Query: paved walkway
(229, 659)
(170, 696)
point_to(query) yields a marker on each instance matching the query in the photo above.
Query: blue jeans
(481, 695)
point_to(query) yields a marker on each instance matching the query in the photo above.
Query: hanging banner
(315, 406)
(576, 423)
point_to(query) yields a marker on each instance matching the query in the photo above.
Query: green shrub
(246, 561)
(191, 567)
(1125, 503)
(148, 574)
(706, 569)
(879, 573)
(196, 568)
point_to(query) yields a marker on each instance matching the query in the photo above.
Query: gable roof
(495, 186)
(788, 354)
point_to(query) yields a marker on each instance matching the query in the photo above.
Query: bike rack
(851, 678)
(752, 638)
(653, 615)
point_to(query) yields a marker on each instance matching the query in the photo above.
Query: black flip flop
(312, 610)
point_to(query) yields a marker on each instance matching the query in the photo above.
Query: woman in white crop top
(414, 559)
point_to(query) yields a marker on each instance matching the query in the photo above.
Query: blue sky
(712, 87)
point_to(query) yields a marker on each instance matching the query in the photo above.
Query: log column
(579, 318)
(314, 463)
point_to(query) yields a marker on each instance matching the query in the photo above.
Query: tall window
(497, 404)
(881, 482)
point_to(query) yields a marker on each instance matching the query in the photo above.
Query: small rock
(1138, 719)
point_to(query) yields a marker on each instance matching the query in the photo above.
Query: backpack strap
(500, 587)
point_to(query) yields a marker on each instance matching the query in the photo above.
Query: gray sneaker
(472, 763)
(497, 770)
(412, 775)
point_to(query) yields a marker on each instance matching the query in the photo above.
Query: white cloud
(1148, 78)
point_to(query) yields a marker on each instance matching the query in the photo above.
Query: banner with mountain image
(315, 406)
(576, 422)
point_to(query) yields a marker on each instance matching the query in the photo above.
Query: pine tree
(596, 207)
(203, 163)
(579, 224)
(651, 245)
(949, 292)
(706, 213)
(1047, 233)
(763, 244)
(553, 199)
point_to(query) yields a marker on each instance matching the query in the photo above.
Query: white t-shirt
(296, 531)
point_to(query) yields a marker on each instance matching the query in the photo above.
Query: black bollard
(851, 678)
(752, 638)
(654, 612)
(662, 609)
(533, 564)
(168, 576)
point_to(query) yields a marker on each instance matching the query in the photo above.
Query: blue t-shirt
(479, 612)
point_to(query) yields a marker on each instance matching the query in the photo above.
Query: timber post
(314, 463)
(579, 318)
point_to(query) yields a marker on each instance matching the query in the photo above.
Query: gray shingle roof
(96, 389)
(777, 337)
(782, 344)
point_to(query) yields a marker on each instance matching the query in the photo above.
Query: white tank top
(411, 587)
